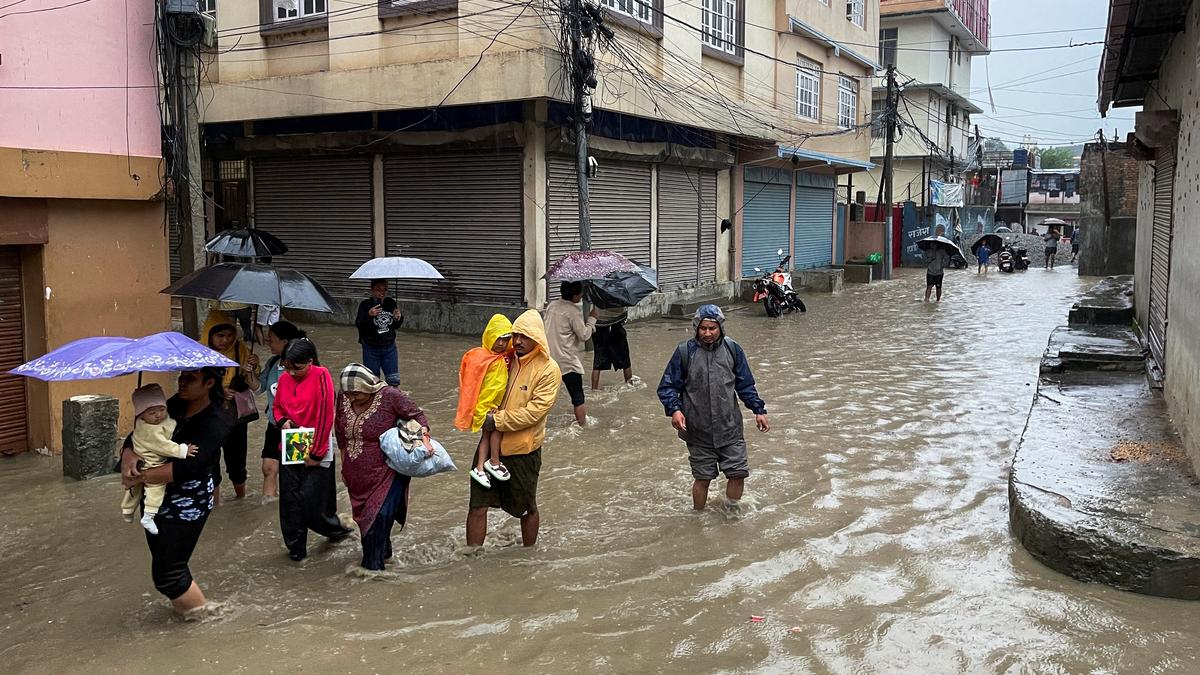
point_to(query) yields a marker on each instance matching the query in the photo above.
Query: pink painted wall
(97, 44)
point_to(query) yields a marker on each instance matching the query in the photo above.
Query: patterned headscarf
(356, 378)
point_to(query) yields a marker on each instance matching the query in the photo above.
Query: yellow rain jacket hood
(533, 383)
(483, 377)
(238, 351)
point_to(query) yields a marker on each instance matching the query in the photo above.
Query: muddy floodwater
(873, 539)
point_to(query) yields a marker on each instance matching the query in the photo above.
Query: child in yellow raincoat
(482, 384)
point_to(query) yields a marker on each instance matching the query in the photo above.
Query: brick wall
(1107, 246)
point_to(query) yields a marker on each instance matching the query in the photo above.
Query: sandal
(481, 478)
(498, 471)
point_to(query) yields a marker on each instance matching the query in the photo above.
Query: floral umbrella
(593, 264)
(98, 358)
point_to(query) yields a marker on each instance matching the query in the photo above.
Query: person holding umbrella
(936, 259)
(566, 331)
(240, 386)
(611, 344)
(378, 318)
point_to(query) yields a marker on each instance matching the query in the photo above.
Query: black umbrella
(933, 243)
(622, 289)
(246, 244)
(994, 242)
(254, 285)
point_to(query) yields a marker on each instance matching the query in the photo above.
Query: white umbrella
(396, 267)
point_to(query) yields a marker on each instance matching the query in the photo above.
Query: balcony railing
(974, 15)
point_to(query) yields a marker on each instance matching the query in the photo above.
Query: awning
(1140, 32)
(839, 164)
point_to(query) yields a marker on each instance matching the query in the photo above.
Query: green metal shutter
(321, 208)
(463, 213)
(765, 214)
(814, 227)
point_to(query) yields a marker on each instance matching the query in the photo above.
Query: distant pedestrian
(984, 254)
(699, 391)
(1051, 239)
(566, 331)
(1076, 238)
(936, 261)
(611, 344)
(533, 383)
(378, 318)
(304, 399)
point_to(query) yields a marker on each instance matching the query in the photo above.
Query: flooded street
(874, 537)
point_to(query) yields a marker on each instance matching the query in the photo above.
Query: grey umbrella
(254, 285)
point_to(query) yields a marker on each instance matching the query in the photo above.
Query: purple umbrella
(98, 358)
(594, 264)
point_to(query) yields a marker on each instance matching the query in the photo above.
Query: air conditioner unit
(210, 29)
(185, 7)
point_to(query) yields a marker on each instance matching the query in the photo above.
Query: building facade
(83, 242)
(931, 44)
(1053, 193)
(1151, 62)
(443, 130)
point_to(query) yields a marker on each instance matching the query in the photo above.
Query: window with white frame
(720, 24)
(636, 9)
(888, 40)
(878, 124)
(808, 89)
(856, 12)
(286, 10)
(847, 102)
(208, 7)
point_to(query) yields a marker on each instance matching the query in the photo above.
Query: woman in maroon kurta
(367, 408)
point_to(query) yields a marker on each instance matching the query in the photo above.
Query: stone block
(858, 274)
(821, 280)
(89, 435)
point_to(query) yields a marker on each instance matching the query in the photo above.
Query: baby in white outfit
(152, 431)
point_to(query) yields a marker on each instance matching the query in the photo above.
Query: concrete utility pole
(193, 233)
(582, 24)
(892, 109)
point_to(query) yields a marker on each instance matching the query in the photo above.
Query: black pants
(170, 551)
(377, 541)
(234, 449)
(307, 501)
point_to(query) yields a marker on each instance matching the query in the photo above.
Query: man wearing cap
(533, 383)
(699, 391)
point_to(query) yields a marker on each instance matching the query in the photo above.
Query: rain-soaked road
(876, 540)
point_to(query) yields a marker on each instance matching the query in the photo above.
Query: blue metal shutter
(814, 227)
(765, 215)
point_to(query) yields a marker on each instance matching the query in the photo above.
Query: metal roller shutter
(687, 227)
(814, 227)
(174, 240)
(619, 204)
(321, 208)
(462, 212)
(765, 227)
(1160, 253)
(13, 433)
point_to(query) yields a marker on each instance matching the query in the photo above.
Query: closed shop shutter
(687, 227)
(13, 435)
(321, 208)
(765, 230)
(1160, 253)
(461, 212)
(619, 205)
(814, 227)
(174, 240)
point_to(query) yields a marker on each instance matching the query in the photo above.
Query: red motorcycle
(774, 289)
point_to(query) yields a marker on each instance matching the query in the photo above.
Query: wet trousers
(170, 551)
(377, 541)
(234, 450)
(307, 501)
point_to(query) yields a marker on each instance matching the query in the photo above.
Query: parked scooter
(774, 289)
(1013, 259)
(1004, 261)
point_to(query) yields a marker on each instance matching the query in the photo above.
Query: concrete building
(931, 44)
(1151, 61)
(1053, 193)
(83, 243)
(1108, 205)
(442, 129)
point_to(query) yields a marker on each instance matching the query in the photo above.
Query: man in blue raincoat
(699, 391)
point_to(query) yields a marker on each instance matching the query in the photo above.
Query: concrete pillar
(89, 435)
(654, 216)
(735, 235)
(378, 224)
(791, 250)
(724, 209)
(534, 203)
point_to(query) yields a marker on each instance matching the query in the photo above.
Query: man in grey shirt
(936, 260)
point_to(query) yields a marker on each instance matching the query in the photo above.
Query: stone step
(1109, 302)
(1094, 347)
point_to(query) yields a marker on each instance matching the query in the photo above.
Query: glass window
(720, 24)
(632, 8)
(878, 124)
(808, 89)
(847, 102)
(286, 10)
(856, 11)
(888, 38)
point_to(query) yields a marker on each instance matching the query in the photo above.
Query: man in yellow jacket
(533, 383)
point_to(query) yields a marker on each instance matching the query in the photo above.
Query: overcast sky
(1048, 94)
